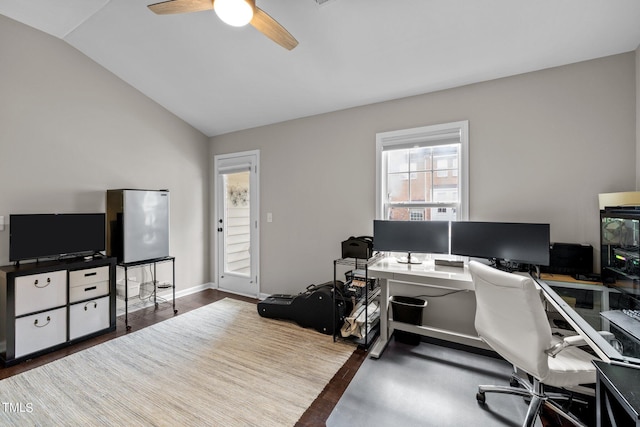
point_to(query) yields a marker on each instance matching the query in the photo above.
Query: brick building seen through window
(422, 175)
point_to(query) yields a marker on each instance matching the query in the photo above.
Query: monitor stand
(408, 260)
(502, 265)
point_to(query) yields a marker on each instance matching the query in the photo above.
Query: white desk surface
(426, 272)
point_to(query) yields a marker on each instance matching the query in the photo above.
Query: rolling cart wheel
(480, 397)
(128, 328)
(175, 311)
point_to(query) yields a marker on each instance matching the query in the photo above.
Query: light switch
(269, 217)
(1, 222)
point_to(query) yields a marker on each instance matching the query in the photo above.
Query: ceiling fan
(233, 12)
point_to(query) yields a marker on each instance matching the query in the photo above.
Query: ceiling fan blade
(180, 6)
(270, 28)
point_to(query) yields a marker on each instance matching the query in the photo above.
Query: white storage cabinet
(47, 305)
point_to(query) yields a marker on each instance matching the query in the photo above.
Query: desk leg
(381, 343)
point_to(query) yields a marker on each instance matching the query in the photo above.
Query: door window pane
(237, 220)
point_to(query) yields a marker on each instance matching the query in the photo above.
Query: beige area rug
(219, 365)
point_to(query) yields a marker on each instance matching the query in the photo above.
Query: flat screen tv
(35, 236)
(526, 243)
(425, 237)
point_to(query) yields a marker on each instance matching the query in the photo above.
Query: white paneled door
(236, 222)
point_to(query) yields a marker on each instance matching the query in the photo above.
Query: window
(416, 215)
(422, 173)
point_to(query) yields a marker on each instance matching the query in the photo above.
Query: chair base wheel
(480, 397)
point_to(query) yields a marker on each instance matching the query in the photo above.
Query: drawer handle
(95, 305)
(37, 285)
(91, 288)
(90, 274)
(35, 323)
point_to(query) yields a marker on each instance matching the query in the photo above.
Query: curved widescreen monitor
(520, 242)
(411, 236)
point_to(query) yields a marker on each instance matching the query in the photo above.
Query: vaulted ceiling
(220, 78)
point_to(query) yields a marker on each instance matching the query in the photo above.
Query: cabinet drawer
(88, 317)
(40, 291)
(88, 283)
(88, 275)
(40, 331)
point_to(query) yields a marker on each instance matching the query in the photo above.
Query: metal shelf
(360, 263)
(373, 329)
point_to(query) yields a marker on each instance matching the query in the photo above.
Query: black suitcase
(310, 309)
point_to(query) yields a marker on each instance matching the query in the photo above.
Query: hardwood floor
(316, 414)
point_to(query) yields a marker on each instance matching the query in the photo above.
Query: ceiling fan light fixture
(236, 13)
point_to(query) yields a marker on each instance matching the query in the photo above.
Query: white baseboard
(260, 296)
(136, 303)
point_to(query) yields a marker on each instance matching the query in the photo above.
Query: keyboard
(634, 314)
(624, 321)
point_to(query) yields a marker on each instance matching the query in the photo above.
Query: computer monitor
(525, 243)
(426, 237)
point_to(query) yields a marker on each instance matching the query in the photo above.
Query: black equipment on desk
(569, 258)
(620, 250)
(358, 247)
(312, 308)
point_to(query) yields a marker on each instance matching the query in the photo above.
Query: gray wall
(638, 117)
(69, 130)
(542, 146)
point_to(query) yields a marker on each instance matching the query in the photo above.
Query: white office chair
(511, 319)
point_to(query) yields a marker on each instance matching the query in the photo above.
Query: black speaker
(569, 258)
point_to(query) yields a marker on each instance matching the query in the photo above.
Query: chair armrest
(566, 342)
(574, 340)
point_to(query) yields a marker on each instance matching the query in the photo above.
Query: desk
(618, 373)
(588, 327)
(449, 291)
(617, 397)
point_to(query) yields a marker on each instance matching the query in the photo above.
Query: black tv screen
(520, 242)
(33, 236)
(425, 237)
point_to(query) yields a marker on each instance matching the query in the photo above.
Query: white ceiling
(350, 53)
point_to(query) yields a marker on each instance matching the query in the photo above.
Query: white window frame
(425, 136)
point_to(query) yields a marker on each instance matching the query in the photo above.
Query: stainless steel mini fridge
(137, 224)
